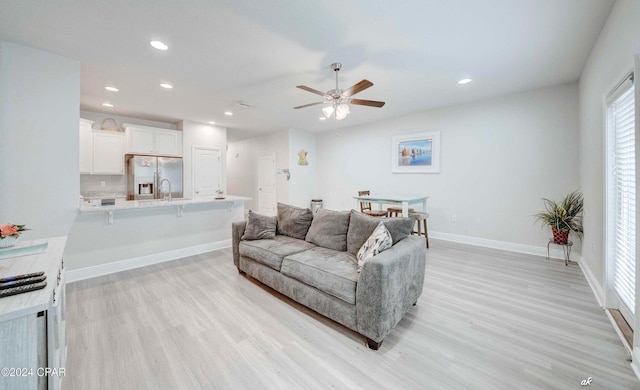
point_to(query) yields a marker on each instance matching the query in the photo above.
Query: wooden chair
(365, 207)
(421, 217)
(395, 211)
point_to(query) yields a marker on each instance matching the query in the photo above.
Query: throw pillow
(293, 221)
(259, 227)
(361, 226)
(329, 229)
(377, 242)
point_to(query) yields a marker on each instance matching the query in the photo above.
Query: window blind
(621, 117)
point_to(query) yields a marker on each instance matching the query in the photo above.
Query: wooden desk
(404, 200)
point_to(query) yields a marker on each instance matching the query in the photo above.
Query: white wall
(203, 135)
(39, 112)
(610, 59)
(302, 186)
(242, 166)
(242, 171)
(499, 157)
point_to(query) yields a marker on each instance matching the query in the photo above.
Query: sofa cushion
(293, 221)
(330, 271)
(361, 226)
(271, 252)
(380, 240)
(259, 227)
(329, 229)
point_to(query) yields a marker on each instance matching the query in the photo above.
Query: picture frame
(416, 153)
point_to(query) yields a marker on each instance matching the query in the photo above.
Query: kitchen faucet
(162, 182)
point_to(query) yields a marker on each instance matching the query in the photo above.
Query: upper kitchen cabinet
(108, 153)
(86, 146)
(153, 141)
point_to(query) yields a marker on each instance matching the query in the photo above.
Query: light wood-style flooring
(487, 319)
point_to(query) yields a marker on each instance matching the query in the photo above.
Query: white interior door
(267, 184)
(207, 171)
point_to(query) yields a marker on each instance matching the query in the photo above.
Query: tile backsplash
(112, 184)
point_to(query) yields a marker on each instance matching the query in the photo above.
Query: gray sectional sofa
(312, 260)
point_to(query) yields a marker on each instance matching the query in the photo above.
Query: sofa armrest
(389, 284)
(237, 230)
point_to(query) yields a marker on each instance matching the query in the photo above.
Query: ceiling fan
(337, 100)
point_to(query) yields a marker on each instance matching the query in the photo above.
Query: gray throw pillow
(259, 227)
(361, 226)
(329, 230)
(293, 221)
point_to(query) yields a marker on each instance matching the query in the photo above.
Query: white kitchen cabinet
(108, 153)
(153, 141)
(140, 140)
(169, 143)
(86, 147)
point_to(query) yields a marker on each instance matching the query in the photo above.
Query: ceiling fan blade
(372, 103)
(310, 104)
(309, 89)
(361, 86)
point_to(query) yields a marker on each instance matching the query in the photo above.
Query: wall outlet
(103, 184)
(454, 219)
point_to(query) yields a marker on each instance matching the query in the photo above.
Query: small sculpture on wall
(302, 157)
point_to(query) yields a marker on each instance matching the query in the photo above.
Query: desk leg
(405, 209)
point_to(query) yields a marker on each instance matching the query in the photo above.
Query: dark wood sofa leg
(415, 303)
(374, 344)
(241, 272)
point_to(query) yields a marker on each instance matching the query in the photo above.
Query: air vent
(242, 104)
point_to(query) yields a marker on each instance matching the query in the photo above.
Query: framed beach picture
(416, 153)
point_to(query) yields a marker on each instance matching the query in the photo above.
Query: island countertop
(157, 203)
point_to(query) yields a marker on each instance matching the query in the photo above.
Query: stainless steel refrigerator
(149, 177)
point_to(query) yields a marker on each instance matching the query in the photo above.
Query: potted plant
(563, 217)
(9, 234)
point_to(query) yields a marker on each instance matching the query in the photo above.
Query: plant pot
(560, 237)
(8, 242)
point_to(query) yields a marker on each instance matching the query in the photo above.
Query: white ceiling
(222, 51)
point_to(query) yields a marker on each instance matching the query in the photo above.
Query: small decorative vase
(8, 241)
(559, 237)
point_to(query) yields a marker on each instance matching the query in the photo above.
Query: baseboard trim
(555, 253)
(137, 262)
(635, 359)
(593, 282)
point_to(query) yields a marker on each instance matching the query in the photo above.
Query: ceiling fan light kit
(337, 100)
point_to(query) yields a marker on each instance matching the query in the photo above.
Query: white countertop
(48, 261)
(156, 203)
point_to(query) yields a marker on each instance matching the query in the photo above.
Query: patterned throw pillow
(377, 242)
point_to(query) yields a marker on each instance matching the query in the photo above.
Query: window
(621, 200)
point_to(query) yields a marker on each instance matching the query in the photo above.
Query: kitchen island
(131, 234)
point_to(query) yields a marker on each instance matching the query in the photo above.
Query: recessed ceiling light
(107, 104)
(464, 81)
(211, 122)
(166, 86)
(112, 89)
(322, 118)
(159, 45)
(228, 113)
